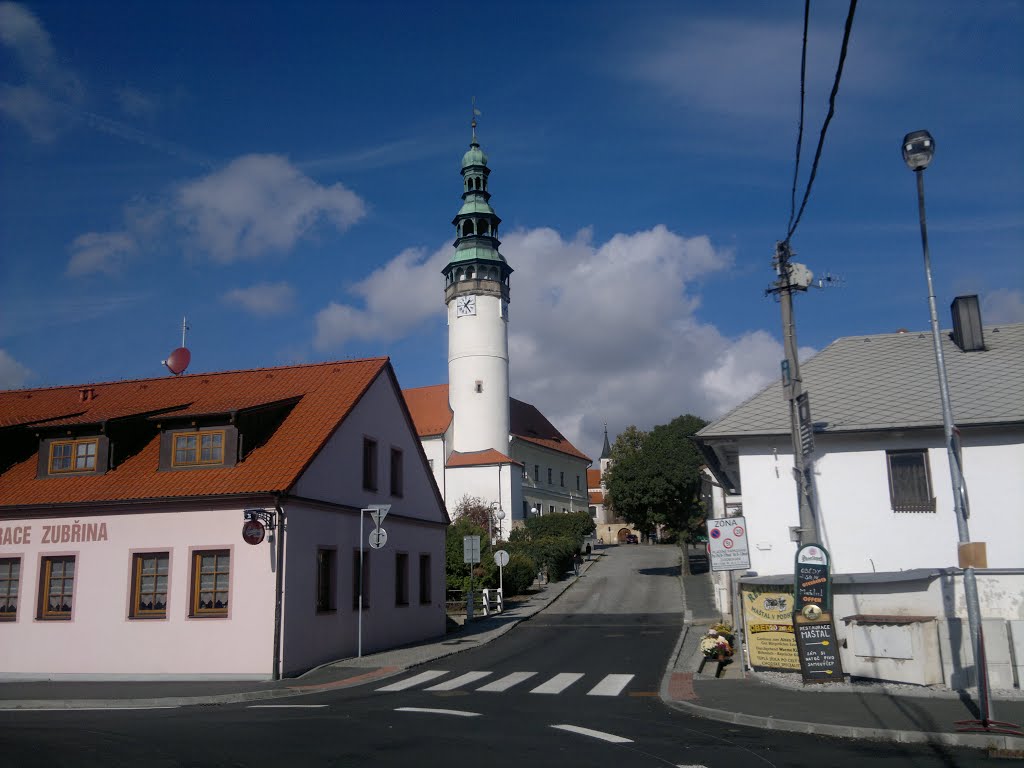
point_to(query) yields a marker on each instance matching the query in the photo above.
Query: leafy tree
(654, 478)
(552, 540)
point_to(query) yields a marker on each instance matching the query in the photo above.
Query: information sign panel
(471, 549)
(819, 651)
(813, 583)
(727, 544)
(768, 616)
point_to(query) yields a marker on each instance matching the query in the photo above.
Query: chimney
(967, 333)
(86, 394)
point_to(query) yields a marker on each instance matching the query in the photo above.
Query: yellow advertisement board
(768, 616)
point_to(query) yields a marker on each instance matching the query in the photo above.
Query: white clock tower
(477, 296)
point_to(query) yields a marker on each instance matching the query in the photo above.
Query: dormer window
(199, 448)
(72, 456)
(67, 456)
(193, 449)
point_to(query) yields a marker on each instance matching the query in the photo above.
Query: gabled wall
(856, 521)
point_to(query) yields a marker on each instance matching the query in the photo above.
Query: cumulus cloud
(1003, 305)
(413, 275)
(257, 205)
(262, 298)
(12, 373)
(598, 331)
(103, 252)
(260, 204)
(38, 104)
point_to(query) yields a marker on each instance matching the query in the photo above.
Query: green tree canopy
(654, 478)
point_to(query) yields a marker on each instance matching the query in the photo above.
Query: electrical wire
(828, 117)
(800, 126)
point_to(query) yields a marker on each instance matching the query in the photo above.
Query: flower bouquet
(716, 643)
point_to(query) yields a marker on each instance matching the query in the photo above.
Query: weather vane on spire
(476, 114)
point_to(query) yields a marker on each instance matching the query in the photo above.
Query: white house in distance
(881, 478)
(479, 441)
(121, 515)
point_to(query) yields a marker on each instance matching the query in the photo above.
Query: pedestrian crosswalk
(431, 680)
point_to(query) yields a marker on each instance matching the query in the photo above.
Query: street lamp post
(496, 513)
(918, 150)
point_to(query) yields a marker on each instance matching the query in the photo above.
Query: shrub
(519, 573)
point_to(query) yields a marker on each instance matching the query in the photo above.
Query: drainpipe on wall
(278, 589)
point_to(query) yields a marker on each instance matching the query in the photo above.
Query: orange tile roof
(429, 408)
(596, 497)
(326, 394)
(479, 459)
(593, 478)
(432, 416)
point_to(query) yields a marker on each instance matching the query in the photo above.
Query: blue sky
(285, 175)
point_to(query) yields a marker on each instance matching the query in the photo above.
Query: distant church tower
(606, 453)
(477, 296)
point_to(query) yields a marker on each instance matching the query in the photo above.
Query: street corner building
(883, 496)
(122, 508)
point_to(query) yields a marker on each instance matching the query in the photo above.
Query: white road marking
(695, 765)
(458, 682)
(456, 712)
(502, 685)
(285, 706)
(558, 683)
(611, 685)
(610, 737)
(413, 681)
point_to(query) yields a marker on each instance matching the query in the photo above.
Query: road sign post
(377, 512)
(470, 555)
(501, 560)
(727, 544)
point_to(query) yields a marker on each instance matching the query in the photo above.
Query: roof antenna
(179, 359)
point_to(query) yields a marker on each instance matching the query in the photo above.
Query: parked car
(632, 539)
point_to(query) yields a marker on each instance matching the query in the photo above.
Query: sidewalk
(344, 673)
(876, 711)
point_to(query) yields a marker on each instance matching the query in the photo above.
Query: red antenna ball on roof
(178, 360)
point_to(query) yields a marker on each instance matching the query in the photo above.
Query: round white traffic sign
(501, 558)
(378, 538)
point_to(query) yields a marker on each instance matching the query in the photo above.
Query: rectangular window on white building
(910, 487)
(10, 579)
(149, 585)
(57, 591)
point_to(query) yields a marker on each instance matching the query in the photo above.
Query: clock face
(465, 305)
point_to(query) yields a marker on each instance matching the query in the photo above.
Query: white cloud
(259, 204)
(12, 373)
(395, 299)
(39, 104)
(103, 252)
(597, 331)
(1003, 305)
(262, 298)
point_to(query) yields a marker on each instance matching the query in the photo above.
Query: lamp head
(918, 149)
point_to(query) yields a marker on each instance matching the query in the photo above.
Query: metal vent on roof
(967, 332)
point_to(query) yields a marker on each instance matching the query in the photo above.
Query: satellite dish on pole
(179, 359)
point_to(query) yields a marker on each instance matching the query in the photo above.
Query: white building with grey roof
(882, 486)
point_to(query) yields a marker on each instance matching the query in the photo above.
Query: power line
(828, 117)
(800, 126)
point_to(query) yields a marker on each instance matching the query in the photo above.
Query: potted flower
(717, 643)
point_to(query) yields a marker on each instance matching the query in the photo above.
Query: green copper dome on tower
(476, 258)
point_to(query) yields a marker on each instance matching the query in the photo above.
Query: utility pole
(796, 277)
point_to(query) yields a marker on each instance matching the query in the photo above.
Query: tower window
(478, 387)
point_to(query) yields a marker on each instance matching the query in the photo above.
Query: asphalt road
(575, 686)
